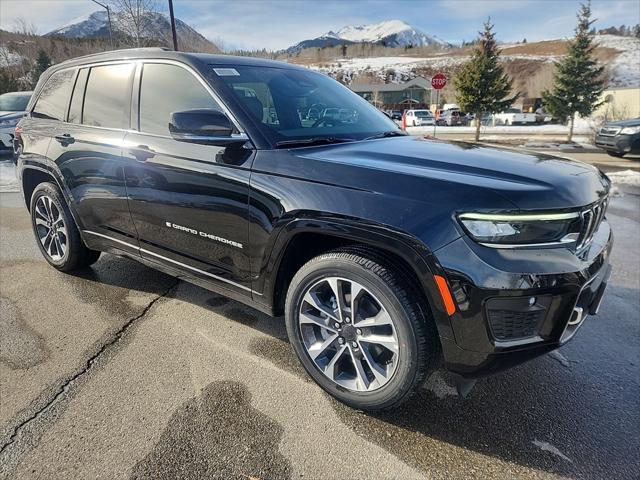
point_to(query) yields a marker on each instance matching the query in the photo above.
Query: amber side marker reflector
(445, 294)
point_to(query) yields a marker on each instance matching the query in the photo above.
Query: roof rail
(107, 52)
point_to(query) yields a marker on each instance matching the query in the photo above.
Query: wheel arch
(415, 260)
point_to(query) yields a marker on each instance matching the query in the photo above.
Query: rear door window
(54, 97)
(108, 96)
(75, 109)
(165, 89)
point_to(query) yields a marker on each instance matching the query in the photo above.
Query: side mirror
(207, 126)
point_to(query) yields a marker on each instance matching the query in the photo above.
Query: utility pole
(106, 7)
(173, 26)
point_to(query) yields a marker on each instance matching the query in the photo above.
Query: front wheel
(55, 230)
(359, 330)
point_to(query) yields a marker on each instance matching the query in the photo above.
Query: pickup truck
(513, 116)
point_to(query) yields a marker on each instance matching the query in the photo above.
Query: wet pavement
(123, 372)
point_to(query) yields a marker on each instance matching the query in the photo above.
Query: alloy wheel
(50, 228)
(348, 334)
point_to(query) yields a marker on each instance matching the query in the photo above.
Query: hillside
(531, 65)
(155, 29)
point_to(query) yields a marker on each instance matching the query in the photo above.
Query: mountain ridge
(389, 33)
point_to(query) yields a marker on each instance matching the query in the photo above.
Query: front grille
(609, 131)
(590, 220)
(510, 325)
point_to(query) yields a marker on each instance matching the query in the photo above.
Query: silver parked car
(13, 107)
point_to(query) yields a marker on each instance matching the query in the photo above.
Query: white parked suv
(420, 118)
(514, 116)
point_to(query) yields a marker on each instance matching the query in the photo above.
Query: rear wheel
(615, 154)
(55, 230)
(357, 327)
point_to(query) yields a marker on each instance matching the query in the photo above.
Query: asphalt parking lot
(120, 371)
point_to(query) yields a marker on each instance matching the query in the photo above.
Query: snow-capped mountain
(390, 33)
(156, 26)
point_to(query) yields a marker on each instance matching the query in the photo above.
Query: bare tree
(133, 18)
(24, 27)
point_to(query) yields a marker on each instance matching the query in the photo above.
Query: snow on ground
(625, 177)
(8, 179)
(579, 129)
(625, 68)
(9, 58)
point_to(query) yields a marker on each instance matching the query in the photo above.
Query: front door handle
(65, 139)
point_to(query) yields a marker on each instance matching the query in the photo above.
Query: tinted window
(14, 102)
(107, 97)
(75, 109)
(54, 98)
(166, 89)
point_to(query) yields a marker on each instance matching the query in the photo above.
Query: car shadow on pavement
(550, 414)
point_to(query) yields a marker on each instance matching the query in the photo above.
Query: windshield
(290, 105)
(423, 114)
(14, 102)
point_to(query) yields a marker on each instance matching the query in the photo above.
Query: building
(620, 103)
(396, 96)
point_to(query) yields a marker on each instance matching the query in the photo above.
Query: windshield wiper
(307, 142)
(388, 133)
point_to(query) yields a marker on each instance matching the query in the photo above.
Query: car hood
(6, 115)
(625, 123)
(527, 180)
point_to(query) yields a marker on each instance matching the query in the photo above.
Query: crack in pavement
(68, 383)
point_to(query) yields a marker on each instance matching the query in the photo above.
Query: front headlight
(9, 123)
(514, 230)
(630, 130)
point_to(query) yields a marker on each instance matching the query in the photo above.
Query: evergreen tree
(43, 61)
(482, 85)
(578, 82)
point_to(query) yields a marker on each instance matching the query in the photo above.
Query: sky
(276, 24)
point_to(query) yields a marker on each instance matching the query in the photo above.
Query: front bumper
(514, 305)
(617, 143)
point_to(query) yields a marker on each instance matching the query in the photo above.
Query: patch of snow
(510, 130)
(405, 33)
(547, 447)
(625, 68)
(8, 180)
(625, 177)
(9, 58)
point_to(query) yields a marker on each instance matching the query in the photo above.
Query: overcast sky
(276, 24)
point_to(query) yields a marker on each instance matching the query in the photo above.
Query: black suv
(387, 254)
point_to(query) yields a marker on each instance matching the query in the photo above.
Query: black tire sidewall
(407, 368)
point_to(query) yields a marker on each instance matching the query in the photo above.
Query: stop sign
(438, 81)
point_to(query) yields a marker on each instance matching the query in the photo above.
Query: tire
(61, 246)
(615, 154)
(387, 309)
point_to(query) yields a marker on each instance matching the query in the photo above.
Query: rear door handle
(65, 139)
(141, 152)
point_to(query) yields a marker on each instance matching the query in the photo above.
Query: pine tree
(578, 82)
(482, 85)
(43, 61)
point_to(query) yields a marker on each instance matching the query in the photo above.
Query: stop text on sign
(438, 81)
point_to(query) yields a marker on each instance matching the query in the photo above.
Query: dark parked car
(388, 255)
(396, 114)
(13, 106)
(619, 138)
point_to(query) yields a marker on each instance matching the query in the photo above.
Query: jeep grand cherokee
(387, 254)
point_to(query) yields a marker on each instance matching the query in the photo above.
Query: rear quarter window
(54, 96)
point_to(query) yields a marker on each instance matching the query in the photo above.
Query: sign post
(438, 82)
